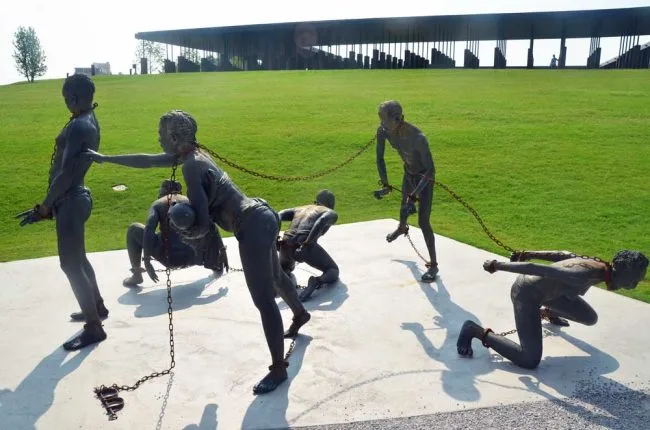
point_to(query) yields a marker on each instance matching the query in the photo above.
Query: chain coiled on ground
(102, 391)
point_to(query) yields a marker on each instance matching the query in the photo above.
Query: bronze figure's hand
(222, 260)
(31, 216)
(379, 194)
(489, 266)
(150, 270)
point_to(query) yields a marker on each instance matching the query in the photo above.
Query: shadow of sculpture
(459, 379)
(329, 297)
(582, 387)
(208, 419)
(21, 408)
(154, 302)
(268, 411)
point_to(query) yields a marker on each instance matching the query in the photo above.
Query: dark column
(593, 61)
(143, 66)
(562, 62)
(500, 55)
(530, 55)
(374, 62)
(360, 61)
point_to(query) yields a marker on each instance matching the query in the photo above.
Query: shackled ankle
(484, 337)
(280, 365)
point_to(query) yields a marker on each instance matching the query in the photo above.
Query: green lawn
(550, 159)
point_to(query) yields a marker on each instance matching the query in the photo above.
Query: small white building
(100, 69)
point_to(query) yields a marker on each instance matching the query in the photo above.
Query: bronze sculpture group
(189, 235)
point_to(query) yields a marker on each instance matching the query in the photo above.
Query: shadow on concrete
(459, 379)
(154, 302)
(208, 419)
(348, 389)
(330, 297)
(24, 406)
(581, 379)
(268, 411)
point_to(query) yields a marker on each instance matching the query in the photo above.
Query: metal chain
(288, 178)
(291, 348)
(468, 207)
(427, 263)
(544, 314)
(476, 215)
(117, 388)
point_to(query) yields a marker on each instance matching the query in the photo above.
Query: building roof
(497, 26)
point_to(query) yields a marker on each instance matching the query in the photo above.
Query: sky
(77, 33)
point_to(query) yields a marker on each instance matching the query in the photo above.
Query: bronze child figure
(419, 175)
(143, 243)
(214, 198)
(557, 287)
(299, 241)
(70, 203)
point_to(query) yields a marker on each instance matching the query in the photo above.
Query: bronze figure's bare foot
(276, 376)
(548, 315)
(430, 275)
(297, 322)
(312, 285)
(469, 331)
(92, 333)
(398, 232)
(135, 279)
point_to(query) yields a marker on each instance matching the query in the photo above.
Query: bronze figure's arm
(321, 225)
(198, 200)
(287, 214)
(541, 255)
(70, 162)
(138, 161)
(557, 273)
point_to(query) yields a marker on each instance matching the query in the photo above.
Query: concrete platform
(380, 345)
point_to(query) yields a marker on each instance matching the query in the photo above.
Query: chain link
(291, 349)
(165, 236)
(288, 178)
(476, 215)
(473, 211)
(427, 263)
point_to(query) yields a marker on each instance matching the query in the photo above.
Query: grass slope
(549, 159)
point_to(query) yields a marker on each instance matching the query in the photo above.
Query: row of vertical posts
(629, 53)
(593, 61)
(500, 55)
(471, 60)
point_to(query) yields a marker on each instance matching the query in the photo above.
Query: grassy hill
(550, 159)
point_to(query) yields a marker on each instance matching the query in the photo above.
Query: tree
(28, 54)
(152, 51)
